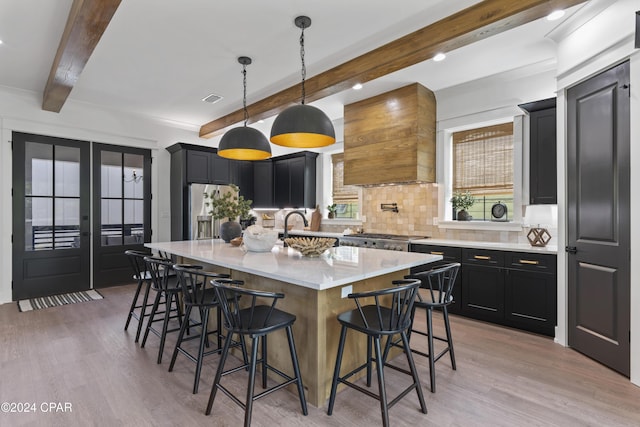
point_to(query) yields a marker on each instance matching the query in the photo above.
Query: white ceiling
(159, 58)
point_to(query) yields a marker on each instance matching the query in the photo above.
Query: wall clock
(499, 212)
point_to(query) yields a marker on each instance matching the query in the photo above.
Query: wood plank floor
(80, 354)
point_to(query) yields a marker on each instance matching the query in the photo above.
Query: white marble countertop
(337, 266)
(501, 246)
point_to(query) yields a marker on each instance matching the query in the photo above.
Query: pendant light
(303, 126)
(244, 143)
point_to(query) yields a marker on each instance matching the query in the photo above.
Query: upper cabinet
(294, 180)
(391, 138)
(542, 151)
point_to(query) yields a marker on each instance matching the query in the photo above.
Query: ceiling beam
(475, 23)
(88, 19)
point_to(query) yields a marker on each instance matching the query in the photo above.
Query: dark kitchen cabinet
(542, 151)
(192, 164)
(294, 180)
(483, 284)
(516, 289)
(449, 254)
(241, 174)
(530, 292)
(263, 184)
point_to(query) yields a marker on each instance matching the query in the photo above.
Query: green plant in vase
(461, 202)
(230, 206)
(332, 210)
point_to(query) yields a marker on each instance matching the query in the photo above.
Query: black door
(121, 210)
(598, 130)
(51, 249)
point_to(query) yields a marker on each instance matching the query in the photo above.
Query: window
(344, 196)
(483, 166)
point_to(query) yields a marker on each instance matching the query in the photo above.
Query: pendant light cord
(304, 68)
(244, 95)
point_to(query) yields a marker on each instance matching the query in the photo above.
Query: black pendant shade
(302, 126)
(244, 143)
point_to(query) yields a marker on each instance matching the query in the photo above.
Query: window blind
(342, 193)
(483, 160)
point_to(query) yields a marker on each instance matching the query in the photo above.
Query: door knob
(571, 249)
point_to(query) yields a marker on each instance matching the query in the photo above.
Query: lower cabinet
(515, 289)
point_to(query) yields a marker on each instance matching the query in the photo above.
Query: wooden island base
(316, 330)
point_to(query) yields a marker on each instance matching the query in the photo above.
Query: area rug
(56, 300)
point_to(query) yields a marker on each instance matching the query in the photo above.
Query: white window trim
(446, 128)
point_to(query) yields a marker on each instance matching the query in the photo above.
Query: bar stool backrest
(159, 270)
(194, 282)
(388, 319)
(138, 265)
(251, 318)
(440, 283)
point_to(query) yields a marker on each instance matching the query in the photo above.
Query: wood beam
(88, 19)
(475, 23)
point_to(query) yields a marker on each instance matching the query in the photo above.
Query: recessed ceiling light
(556, 14)
(439, 56)
(0, 41)
(357, 86)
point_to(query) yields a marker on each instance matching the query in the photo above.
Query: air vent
(212, 99)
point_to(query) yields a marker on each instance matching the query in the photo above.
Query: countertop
(500, 246)
(338, 266)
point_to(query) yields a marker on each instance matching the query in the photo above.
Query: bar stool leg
(252, 381)
(432, 361)
(296, 370)
(369, 340)
(143, 309)
(204, 317)
(336, 372)
(414, 371)
(264, 361)
(381, 386)
(133, 303)
(216, 380)
(445, 314)
(156, 302)
(187, 314)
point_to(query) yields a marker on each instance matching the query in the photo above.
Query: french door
(121, 210)
(51, 208)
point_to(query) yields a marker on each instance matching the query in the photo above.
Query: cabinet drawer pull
(527, 261)
(481, 257)
(437, 253)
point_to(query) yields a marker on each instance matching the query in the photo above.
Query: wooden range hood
(391, 138)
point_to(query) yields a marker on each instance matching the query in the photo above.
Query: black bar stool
(439, 283)
(198, 294)
(254, 321)
(138, 310)
(377, 321)
(164, 282)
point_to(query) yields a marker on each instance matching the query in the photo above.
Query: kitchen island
(315, 292)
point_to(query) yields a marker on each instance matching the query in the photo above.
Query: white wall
(595, 46)
(21, 111)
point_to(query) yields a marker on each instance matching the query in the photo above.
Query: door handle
(571, 249)
(437, 253)
(482, 257)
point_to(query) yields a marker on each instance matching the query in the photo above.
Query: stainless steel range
(392, 242)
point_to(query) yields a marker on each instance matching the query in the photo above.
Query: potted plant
(332, 210)
(229, 206)
(461, 202)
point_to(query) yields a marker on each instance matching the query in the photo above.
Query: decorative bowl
(258, 239)
(310, 246)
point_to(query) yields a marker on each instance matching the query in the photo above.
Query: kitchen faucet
(286, 219)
